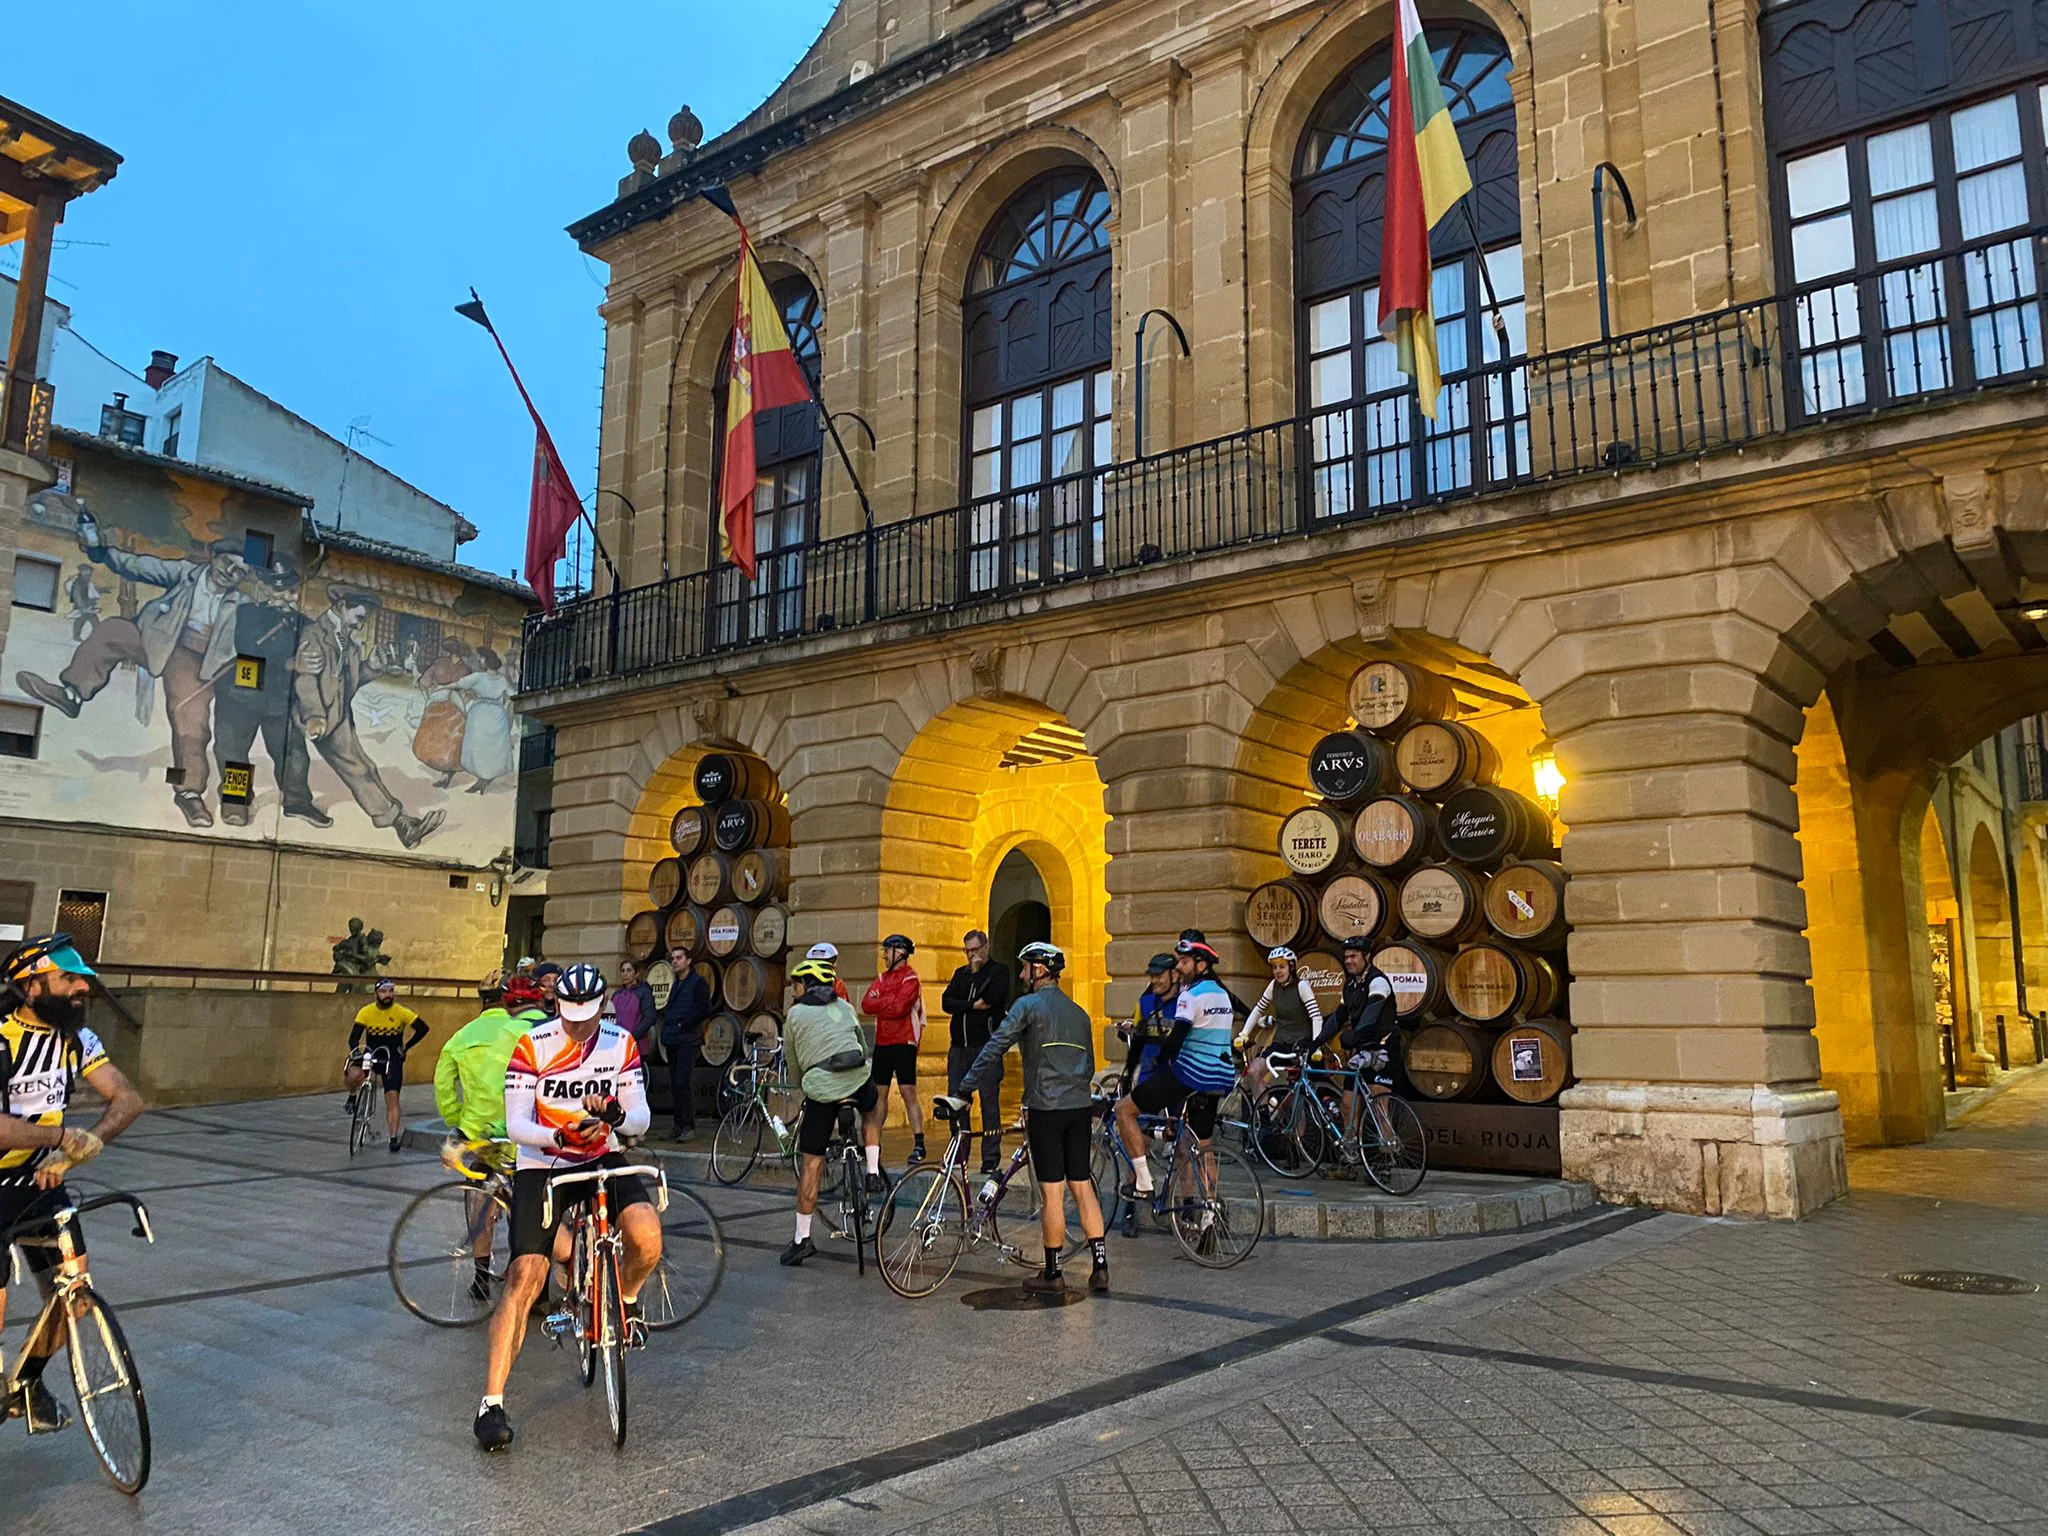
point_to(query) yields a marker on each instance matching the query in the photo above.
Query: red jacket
(890, 1000)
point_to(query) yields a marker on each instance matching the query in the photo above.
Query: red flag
(551, 511)
(764, 375)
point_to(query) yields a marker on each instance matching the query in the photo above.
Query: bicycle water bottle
(781, 1129)
(988, 1190)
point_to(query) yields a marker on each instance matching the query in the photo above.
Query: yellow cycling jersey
(394, 1020)
(41, 1069)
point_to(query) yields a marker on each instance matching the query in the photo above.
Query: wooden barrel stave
(760, 874)
(1539, 1050)
(1347, 767)
(1525, 903)
(1450, 1060)
(665, 883)
(1490, 983)
(721, 1039)
(709, 879)
(723, 776)
(1482, 825)
(1442, 903)
(728, 931)
(1386, 697)
(684, 930)
(1281, 913)
(643, 936)
(1434, 758)
(1361, 905)
(770, 936)
(1393, 833)
(1417, 971)
(689, 831)
(751, 983)
(1314, 841)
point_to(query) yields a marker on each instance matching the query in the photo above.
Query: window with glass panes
(1370, 445)
(786, 469)
(1912, 253)
(1036, 322)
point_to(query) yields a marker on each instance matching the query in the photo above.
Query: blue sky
(309, 189)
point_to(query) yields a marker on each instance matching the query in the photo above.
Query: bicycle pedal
(558, 1326)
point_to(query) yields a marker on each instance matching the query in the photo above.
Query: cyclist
(573, 1081)
(1364, 1025)
(829, 953)
(827, 1057)
(1146, 1028)
(469, 1090)
(44, 1046)
(1198, 1068)
(895, 1000)
(380, 1026)
(1058, 1046)
(1289, 1005)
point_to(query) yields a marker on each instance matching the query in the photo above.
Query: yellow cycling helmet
(818, 971)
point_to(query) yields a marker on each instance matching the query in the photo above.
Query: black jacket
(972, 1026)
(688, 1006)
(1365, 1019)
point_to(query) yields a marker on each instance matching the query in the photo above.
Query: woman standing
(438, 741)
(487, 750)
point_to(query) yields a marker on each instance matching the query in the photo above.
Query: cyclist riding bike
(1198, 1069)
(827, 1057)
(1057, 1042)
(1364, 1027)
(380, 1026)
(573, 1082)
(1289, 1006)
(44, 1048)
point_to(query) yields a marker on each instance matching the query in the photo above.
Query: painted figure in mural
(85, 602)
(487, 746)
(438, 741)
(328, 669)
(242, 712)
(185, 636)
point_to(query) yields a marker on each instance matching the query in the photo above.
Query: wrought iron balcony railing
(1936, 326)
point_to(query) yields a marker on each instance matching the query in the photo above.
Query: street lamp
(1548, 776)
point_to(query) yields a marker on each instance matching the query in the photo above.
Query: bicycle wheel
(359, 1119)
(611, 1343)
(920, 1231)
(692, 1264)
(436, 1247)
(832, 1191)
(1237, 1118)
(1106, 1172)
(858, 1207)
(1030, 1197)
(1286, 1135)
(1397, 1154)
(580, 1304)
(1217, 1206)
(738, 1141)
(109, 1391)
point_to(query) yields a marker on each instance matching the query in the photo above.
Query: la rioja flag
(765, 374)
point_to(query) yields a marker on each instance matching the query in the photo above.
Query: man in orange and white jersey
(573, 1081)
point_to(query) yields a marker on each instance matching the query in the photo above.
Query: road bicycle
(1210, 1196)
(846, 1207)
(1303, 1125)
(450, 1248)
(930, 1216)
(103, 1374)
(595, 1308)
(366, 1099)
(761, 1106)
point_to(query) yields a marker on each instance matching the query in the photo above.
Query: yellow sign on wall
(237, 782)
(248, 671)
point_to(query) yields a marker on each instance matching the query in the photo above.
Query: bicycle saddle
(946, 1107)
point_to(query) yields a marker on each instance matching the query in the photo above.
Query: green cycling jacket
(469, 1079)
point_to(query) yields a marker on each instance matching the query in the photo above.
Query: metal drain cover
(1965, 1282)
(1014, 1298)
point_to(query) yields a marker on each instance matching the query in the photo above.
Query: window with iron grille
(83, 915)
(36, 582)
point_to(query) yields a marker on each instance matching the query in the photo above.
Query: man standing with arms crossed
(893, 999)
(975, 1000)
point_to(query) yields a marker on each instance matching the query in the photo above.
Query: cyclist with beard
(44, 1047)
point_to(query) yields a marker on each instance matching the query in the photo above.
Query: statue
(360, 954)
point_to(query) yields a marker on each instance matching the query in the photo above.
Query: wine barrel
(665, 882)
(1324, 973)
(708, 972)
(1435, 757)
(684, 930)
(661, 979)
(1491, 983)
(643, 936)
(743, 824)
(723, 776)
(1389, 696)
(728, 932)
(1346, 767)
(1394, 832)
(1417, 972)
(1359, 906)
(1532, 1062)
(1443, 903)
(709, 879)
(1449, 1060)
(721, 1039)
(1281, 913)
(1483, 825)
(751, 984)
(760, 874)
(689, 831)
(1313, 841)
(1525, 903)
(771, 931)
(768, 1025)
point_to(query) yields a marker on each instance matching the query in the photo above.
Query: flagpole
(1500, 325)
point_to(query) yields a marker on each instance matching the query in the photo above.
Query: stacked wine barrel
(719, 898)
(1413, 845)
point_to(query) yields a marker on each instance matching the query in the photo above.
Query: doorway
(1019, 909)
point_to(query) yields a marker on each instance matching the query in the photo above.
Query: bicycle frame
(599, 1235)
(982, 1205)
(69, 1277)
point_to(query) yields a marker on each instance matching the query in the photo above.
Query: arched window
(786, 466)
(1036, 321)
(1371, 445)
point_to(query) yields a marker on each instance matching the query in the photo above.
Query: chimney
(161, 366)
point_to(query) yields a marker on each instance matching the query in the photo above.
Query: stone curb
(1370, 1218)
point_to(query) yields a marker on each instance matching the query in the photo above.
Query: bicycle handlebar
(79, 1208)
(600, 1176)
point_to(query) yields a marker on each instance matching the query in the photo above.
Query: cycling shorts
(387, 1060)
(1162, 1091)
(18, 1201)
(815, 1125)
(897, 1062)
(529, 1188)
(1060, 1141)
(1377, 1062)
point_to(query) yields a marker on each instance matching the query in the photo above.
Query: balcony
(1939, 326)
(25, 403)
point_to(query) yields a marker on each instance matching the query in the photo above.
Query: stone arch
(956, 231)
(1987, 918)
(2033, 912)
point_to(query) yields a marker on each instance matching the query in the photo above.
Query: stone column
(847, 374)
(1219, 111)
(1154, 267)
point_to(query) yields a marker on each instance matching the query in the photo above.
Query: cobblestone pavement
(1621, 1373)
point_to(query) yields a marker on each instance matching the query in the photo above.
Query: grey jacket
(162, 619)
(1058, 1044)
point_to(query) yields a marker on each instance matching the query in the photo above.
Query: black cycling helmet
(1193, 936)
(579, 993)
(1363, 946)
(1159, 965)
(898, 941)
(1047, 955)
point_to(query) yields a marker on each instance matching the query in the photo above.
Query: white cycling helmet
(1281, 953)
(822, 952)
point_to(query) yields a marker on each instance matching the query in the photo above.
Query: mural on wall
(198, 676)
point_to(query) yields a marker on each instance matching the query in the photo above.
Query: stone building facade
(1753, 534)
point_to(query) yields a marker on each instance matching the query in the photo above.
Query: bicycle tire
(1233, 1201)
(611, 1344)
(928, 1207)
(359, 1119)
(737, 1142)
(859, 1207)
(674, 1292)
(1398, 1166)
(110, 1345)
(831, 1196)
(580, 1282)
(431, 1257)
(1026, 1186)
(1281, 1135)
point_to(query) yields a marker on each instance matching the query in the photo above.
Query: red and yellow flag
(765, 374)
(1426, 174)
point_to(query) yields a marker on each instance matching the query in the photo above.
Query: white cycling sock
(874, 1159)
(1141, 1173)
(803, 1227)
(489, 1403)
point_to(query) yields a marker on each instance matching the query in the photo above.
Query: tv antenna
(359, 427)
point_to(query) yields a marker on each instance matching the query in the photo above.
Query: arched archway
(1987, 916)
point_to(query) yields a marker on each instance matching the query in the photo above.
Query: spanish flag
(764, 375)
(1426, 174)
